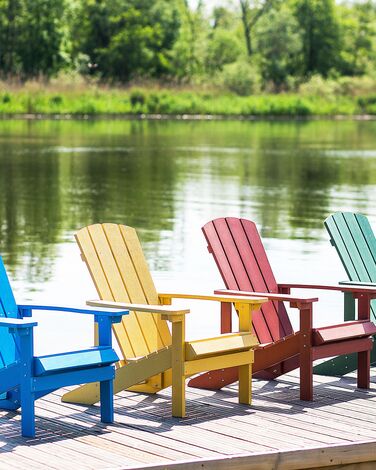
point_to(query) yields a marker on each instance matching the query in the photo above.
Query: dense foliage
(242, 45)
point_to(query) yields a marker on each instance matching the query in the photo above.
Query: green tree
(251, 11)
(41, 38)
(321, 35)
(189, 49)
(358, 33)
(223, 48)
(31, 37)
(128, 38)
(279, 43)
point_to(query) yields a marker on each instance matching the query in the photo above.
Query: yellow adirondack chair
(153, 358)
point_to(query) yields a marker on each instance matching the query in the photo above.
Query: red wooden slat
(259, 275)
(348, 330)
(260, 255)
(230, 252)
(215, 247)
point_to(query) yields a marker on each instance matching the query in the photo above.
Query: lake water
(167, 179)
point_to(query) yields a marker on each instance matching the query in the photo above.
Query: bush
(242, 78)
(137, 98)
(319, 86)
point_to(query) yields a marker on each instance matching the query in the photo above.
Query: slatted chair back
(240, 256)
(8, 309)
(115, 260)
(352, 236)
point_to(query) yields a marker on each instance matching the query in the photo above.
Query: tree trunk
(244, 7)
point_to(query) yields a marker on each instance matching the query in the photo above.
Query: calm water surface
(167, 179)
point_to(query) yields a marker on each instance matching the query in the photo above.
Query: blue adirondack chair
(25, 377)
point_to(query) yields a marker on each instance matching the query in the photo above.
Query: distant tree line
(245, 45)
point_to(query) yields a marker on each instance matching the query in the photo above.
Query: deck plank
(217, 429)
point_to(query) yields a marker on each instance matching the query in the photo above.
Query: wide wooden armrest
(268, 296)
(226, 296)
(164, 309)
(358, 283)
(17, 323)
(86, 311)
(356, 289)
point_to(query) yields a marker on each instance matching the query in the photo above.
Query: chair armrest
(115, 315)
(356, 289)
(17, 323)
(358, 283)
(145, 308)
(268, 296)
(226, 296)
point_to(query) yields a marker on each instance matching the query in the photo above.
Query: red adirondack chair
(241, 258)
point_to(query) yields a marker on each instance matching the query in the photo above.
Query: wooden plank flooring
(145, 435)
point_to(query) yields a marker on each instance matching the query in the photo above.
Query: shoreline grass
(142, 101)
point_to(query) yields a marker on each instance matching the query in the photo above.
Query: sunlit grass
(84, 100)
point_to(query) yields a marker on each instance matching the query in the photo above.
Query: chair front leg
(364, 357)
(27, 397)
(178, 358)
(245, 371)
(107, 401)
(103, 337)
(306, 356)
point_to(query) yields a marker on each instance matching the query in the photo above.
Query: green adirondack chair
(353, 238)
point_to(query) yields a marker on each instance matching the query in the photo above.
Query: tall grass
(94, 100)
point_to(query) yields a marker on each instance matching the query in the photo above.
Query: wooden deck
(278, 431)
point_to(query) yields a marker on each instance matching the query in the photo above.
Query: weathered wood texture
(237, 249)
(353, 238)
(284, 430)
(117, 265)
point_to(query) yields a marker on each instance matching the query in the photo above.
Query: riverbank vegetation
(292, 57)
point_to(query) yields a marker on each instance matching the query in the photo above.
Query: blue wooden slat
(10, 377)
(24, 378)
(56, 363)
(48, 382)
(8, 309)
(98, 311)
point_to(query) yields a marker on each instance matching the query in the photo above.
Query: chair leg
(178, 377)
(28, 413)
(364, 369)
(245, 384)
(107, 401)
(306, 377)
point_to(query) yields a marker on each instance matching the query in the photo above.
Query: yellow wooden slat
(256, 301)
(133, 284)
(118, 289)
(223, 344)
(131, 374)
(136, 254)
(219, 362)
(94, 266)
(140, 287)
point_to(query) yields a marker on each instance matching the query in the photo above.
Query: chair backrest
(241, 259)
(352, 236)
(8, 309)
(115, 260)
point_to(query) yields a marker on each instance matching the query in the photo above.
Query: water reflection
(167, 178)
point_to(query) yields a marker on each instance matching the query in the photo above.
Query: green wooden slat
(362, 255)
(351, 247)
(341, 365)
(369, 237)
(354, 240)
(339, 244)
